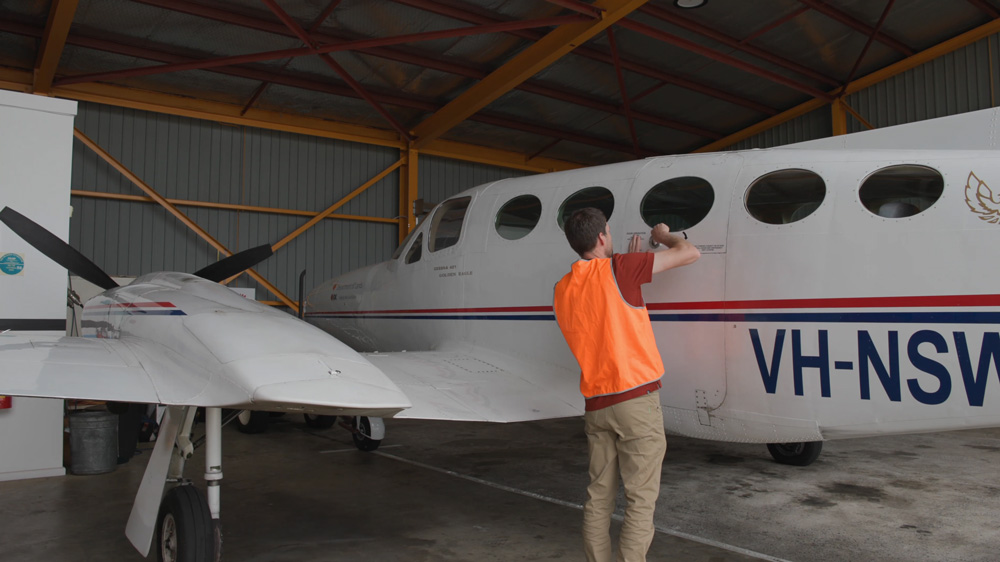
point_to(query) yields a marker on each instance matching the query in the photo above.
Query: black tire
(253, 421)
(320, 422)
(363, 443)
(184, 528)
(795, 454)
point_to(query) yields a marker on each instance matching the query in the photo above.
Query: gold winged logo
(980, 198)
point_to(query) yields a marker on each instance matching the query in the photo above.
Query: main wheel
(363, 428)
(185, 532)
(795, 454)
(252, 421)
(320, 422)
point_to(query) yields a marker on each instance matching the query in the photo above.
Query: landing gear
(795, 454)
(184, 527)
(320, 422)
(183, 521)
(367, 432)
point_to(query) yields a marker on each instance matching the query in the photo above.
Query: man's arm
(679, 252)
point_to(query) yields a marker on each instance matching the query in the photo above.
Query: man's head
(584, 231)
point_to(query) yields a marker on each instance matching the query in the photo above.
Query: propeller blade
(235, 264)
(57, 250)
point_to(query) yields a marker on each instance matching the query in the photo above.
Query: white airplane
(187, 342)
(840, 293)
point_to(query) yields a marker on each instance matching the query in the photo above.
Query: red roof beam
(344, 75)
(775, 24)
(706, 31)
(624, 92)
(302, 51)
(986, 7)
(660, 35)
(453, 11)
(835, 14)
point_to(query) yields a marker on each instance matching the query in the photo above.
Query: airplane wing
(70, 367)
(480, 385)
(140, 370)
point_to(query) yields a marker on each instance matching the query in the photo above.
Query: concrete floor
(455, 492)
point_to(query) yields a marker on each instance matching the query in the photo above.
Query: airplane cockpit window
(901, 191)
(446, 226)
(679, 203)
(598, 197)
(785, 196)
(518, 217)
(399, 249)
(415, 251)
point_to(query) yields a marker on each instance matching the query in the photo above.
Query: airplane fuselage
(818, 310)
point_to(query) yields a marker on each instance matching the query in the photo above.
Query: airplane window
(399, 250)
(901, 191)
(785, 196)
(679, 203)
(447, 224)
(413, 254)
(598, 197)
(518, 217)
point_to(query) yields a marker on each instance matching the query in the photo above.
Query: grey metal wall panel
(189, 159)
(813, 125)
(440, 178)
(957, 82)
(964, 80)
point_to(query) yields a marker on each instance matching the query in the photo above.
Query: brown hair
(583, 227)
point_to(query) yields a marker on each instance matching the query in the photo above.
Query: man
(600, 311)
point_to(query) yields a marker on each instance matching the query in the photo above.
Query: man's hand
(679, 251)
(660, 233)
(634, 244)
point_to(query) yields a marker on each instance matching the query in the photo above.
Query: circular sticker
(11, 264)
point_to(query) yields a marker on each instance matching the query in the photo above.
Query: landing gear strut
(186, 525)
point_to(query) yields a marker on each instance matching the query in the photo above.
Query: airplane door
(691, 196)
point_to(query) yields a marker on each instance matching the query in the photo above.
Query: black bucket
(93, 442)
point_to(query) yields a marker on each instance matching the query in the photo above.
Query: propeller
(235, 264)
(66, 256)
(57, 250)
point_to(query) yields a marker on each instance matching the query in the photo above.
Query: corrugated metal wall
(958, 82)
(198, 160)
(440, 178)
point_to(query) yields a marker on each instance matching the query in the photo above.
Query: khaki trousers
(625, 439)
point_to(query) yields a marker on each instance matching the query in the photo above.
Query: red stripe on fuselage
(948, 301)
(135, 305)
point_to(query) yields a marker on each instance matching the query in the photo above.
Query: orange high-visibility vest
(612, 340)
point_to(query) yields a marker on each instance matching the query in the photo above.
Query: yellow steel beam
(856, 115)
(323, 214)
(838, 117)
(226, 206)
(900, 67)
(53, 41)
(227, 113)
(408, 189)
(524, 65)
(176, 212)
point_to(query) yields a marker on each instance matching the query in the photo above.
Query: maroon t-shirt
(632, 271)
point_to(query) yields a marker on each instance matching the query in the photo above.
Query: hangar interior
(327, 128)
